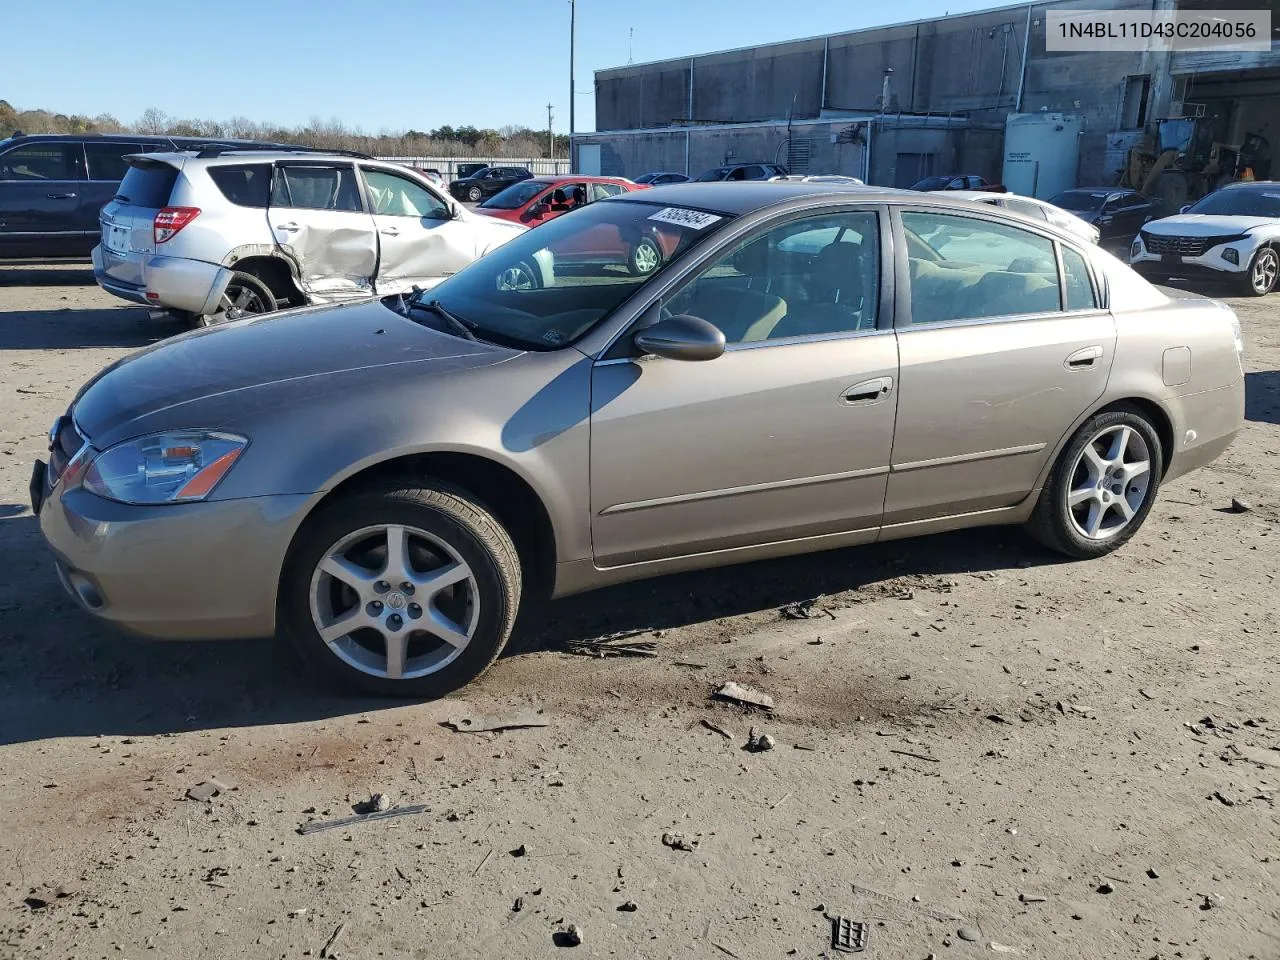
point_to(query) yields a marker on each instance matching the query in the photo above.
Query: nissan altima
(806, 368)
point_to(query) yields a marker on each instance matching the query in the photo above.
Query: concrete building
(819, 105)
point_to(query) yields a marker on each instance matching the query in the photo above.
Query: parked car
(220, 234)
(1117, 212)
(951, 181)
(431, 174)
(52, 186)
(820, 178)
(1231, 235)
(743, 171)
(1033, 208)
(465, 170)
(661, 179)
(382, 482)
(543, 198)
(487, 181)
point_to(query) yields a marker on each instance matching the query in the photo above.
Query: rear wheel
(244, 296)
(401, 590)
(1102, 486)
(1261, 276)
(475, 194)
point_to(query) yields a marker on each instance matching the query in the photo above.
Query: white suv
(1231, 235)
(218, 234)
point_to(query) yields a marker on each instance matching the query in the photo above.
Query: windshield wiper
(456, 324)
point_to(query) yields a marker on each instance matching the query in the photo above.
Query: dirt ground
(981, 750)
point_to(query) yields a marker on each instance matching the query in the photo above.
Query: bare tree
(154, 121)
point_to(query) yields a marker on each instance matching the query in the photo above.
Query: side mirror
(682, 337)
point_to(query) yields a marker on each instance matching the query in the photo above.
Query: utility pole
(573, 11)
(631, 36)
(551, 139)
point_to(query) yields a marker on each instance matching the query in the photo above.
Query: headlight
(1231, 255)
(164, 468)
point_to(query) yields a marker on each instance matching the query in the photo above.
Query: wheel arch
(506, 494)
(275, 271)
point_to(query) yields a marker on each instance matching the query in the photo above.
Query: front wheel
(475, 194)
(645, 257)
(1102, 486)
(244, 296)
(401, 590)
(1261, 278)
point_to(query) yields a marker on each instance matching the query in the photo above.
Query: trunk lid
(128, 219)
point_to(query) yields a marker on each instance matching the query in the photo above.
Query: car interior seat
(744, 316)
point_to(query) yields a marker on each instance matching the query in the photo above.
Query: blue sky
(379, 64)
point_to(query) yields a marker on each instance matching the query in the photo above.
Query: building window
(1133, 110)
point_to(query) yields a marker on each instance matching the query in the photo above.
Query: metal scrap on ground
(737, 693)
(519, 721)
(848, 936)
(318, 825)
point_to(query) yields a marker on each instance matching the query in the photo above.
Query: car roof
(981, 195)
(570, 178)
(264, 155)
(737, 197)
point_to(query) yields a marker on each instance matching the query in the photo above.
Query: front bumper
(175, 283)
(1210, 265)
(178, 571)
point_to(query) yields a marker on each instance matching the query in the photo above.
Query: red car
(536, 201)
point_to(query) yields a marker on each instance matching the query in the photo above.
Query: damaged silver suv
(219, 234)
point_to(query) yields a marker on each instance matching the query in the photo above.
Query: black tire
(245, 296)
(1052, 523)
(442, 511)
(523, 276)
(475, 194)
(1260, 278)
(645, 256)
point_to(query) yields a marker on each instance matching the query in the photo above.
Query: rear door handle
(61, 196)
(1082, 359)
(390, 231)
(868, 391)
(288, 227)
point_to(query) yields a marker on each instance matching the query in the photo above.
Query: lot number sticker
(693, 219)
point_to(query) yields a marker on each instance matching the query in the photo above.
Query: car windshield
(719, 173)
(1259, 201)
(932, 183)
(515, 196)
(551, 285)
(1085, 201)
(646, 177)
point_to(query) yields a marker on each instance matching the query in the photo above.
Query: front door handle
(61, 196)
(390, 231)
(868, 391)
(1083, 359)
(288, 227)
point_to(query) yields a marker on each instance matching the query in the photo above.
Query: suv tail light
(172, 219)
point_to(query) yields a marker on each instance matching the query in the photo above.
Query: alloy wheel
(1110, 482)
(238, 301)
(1265, 269)
(394, 601)
(646, 257)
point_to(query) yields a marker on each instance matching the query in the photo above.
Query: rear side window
(244, 184)
(42, 161)
(316, 188)
(966, 269)
(106, 159)
(148, 184)
(601, 190)
(1080, 295)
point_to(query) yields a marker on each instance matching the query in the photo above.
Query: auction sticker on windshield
(693, 219)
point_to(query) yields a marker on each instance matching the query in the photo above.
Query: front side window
(391, 195)
(515, 196)
(966, 269)
(41, 161)
(106, 159)
(601, 190)
(314, 187)
(818, 275)
(553, 284)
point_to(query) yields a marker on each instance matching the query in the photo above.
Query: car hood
(298, 345)
(1203, 225)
